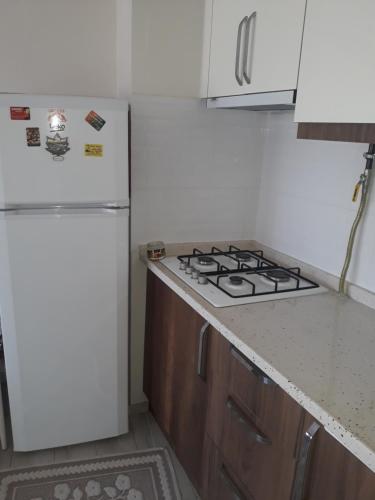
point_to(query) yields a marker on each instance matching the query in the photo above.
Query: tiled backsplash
(195, 173)
(305, 205)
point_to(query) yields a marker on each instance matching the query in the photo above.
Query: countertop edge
(330, 423)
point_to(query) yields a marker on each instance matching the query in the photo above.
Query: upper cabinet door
(337, 75)
(255, 46)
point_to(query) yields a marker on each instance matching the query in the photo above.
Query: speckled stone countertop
(320, 349)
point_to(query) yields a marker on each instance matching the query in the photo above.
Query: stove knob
(202, 280)
(189, 270)
(183, 266)
(195, 274)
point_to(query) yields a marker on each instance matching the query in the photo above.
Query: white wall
(167, 47)
(195, 177)
(64, 47)
(124, 23)
(305, 208)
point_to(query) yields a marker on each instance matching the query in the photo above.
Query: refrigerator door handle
(62, 207)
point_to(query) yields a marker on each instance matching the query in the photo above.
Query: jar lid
(155, 245)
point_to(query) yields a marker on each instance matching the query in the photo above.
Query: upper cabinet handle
(239, 71)
(243, 420)
(202, 350)
(303, 459)
(249, 47)
(231, 485)
(264, 379)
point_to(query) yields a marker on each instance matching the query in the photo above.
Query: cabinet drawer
(264, 467)
(220, 481)
(270, 408)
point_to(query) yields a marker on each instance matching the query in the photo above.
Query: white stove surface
(242, 286)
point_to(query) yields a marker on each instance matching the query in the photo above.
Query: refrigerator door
(94, 169)
(64, 316)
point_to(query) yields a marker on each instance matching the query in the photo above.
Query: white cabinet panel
(337, 76)
(270, 44)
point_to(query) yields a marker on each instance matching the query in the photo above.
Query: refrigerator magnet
(95, 150)
(57, 120)
(95, 120)
(33, 136)
(57, 146)
(19, 113)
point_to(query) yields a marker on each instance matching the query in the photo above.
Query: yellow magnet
(94, 150)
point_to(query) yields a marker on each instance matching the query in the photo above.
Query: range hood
(265, 101)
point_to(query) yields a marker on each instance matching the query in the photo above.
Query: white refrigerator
(64, 259)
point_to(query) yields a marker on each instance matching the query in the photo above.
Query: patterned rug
(142, 475)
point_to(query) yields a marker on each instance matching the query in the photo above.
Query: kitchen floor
(144, 433)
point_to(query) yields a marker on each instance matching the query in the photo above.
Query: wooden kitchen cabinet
(254, 425)
(331, 471)
(174, 353)
(236, 433)
(255, 46)
(336, 79)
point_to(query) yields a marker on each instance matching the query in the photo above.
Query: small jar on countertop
(156, 250)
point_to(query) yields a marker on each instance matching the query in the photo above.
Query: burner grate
(293, 273)
(232, 254)
(264, 273)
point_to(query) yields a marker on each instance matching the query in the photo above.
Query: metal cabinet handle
(237, 71)
(249, 47)
(231, 485)
(202, 351)
(263, 378)
(240, 416)
(303, 459)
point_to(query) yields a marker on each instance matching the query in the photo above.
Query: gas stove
(233, 276)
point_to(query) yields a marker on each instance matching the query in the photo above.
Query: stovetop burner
(243, 256)
(205, 261)
(278, 275)
(236, 280)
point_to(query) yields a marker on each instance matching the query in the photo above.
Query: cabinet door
(330, 472)
(336, 81)
(157, 376)
(267, 45)
(174, 374)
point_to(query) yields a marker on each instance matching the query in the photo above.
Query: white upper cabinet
(255, 46)
(337, 75)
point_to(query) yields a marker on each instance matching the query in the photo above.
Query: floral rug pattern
(145, 475)
(121, 490)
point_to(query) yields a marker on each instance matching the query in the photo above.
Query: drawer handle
(243, 420)
(202, 351)
(263, 378)
(228, 481)
(303, 459)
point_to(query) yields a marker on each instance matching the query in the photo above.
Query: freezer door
(64, 315)
(30, 174)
